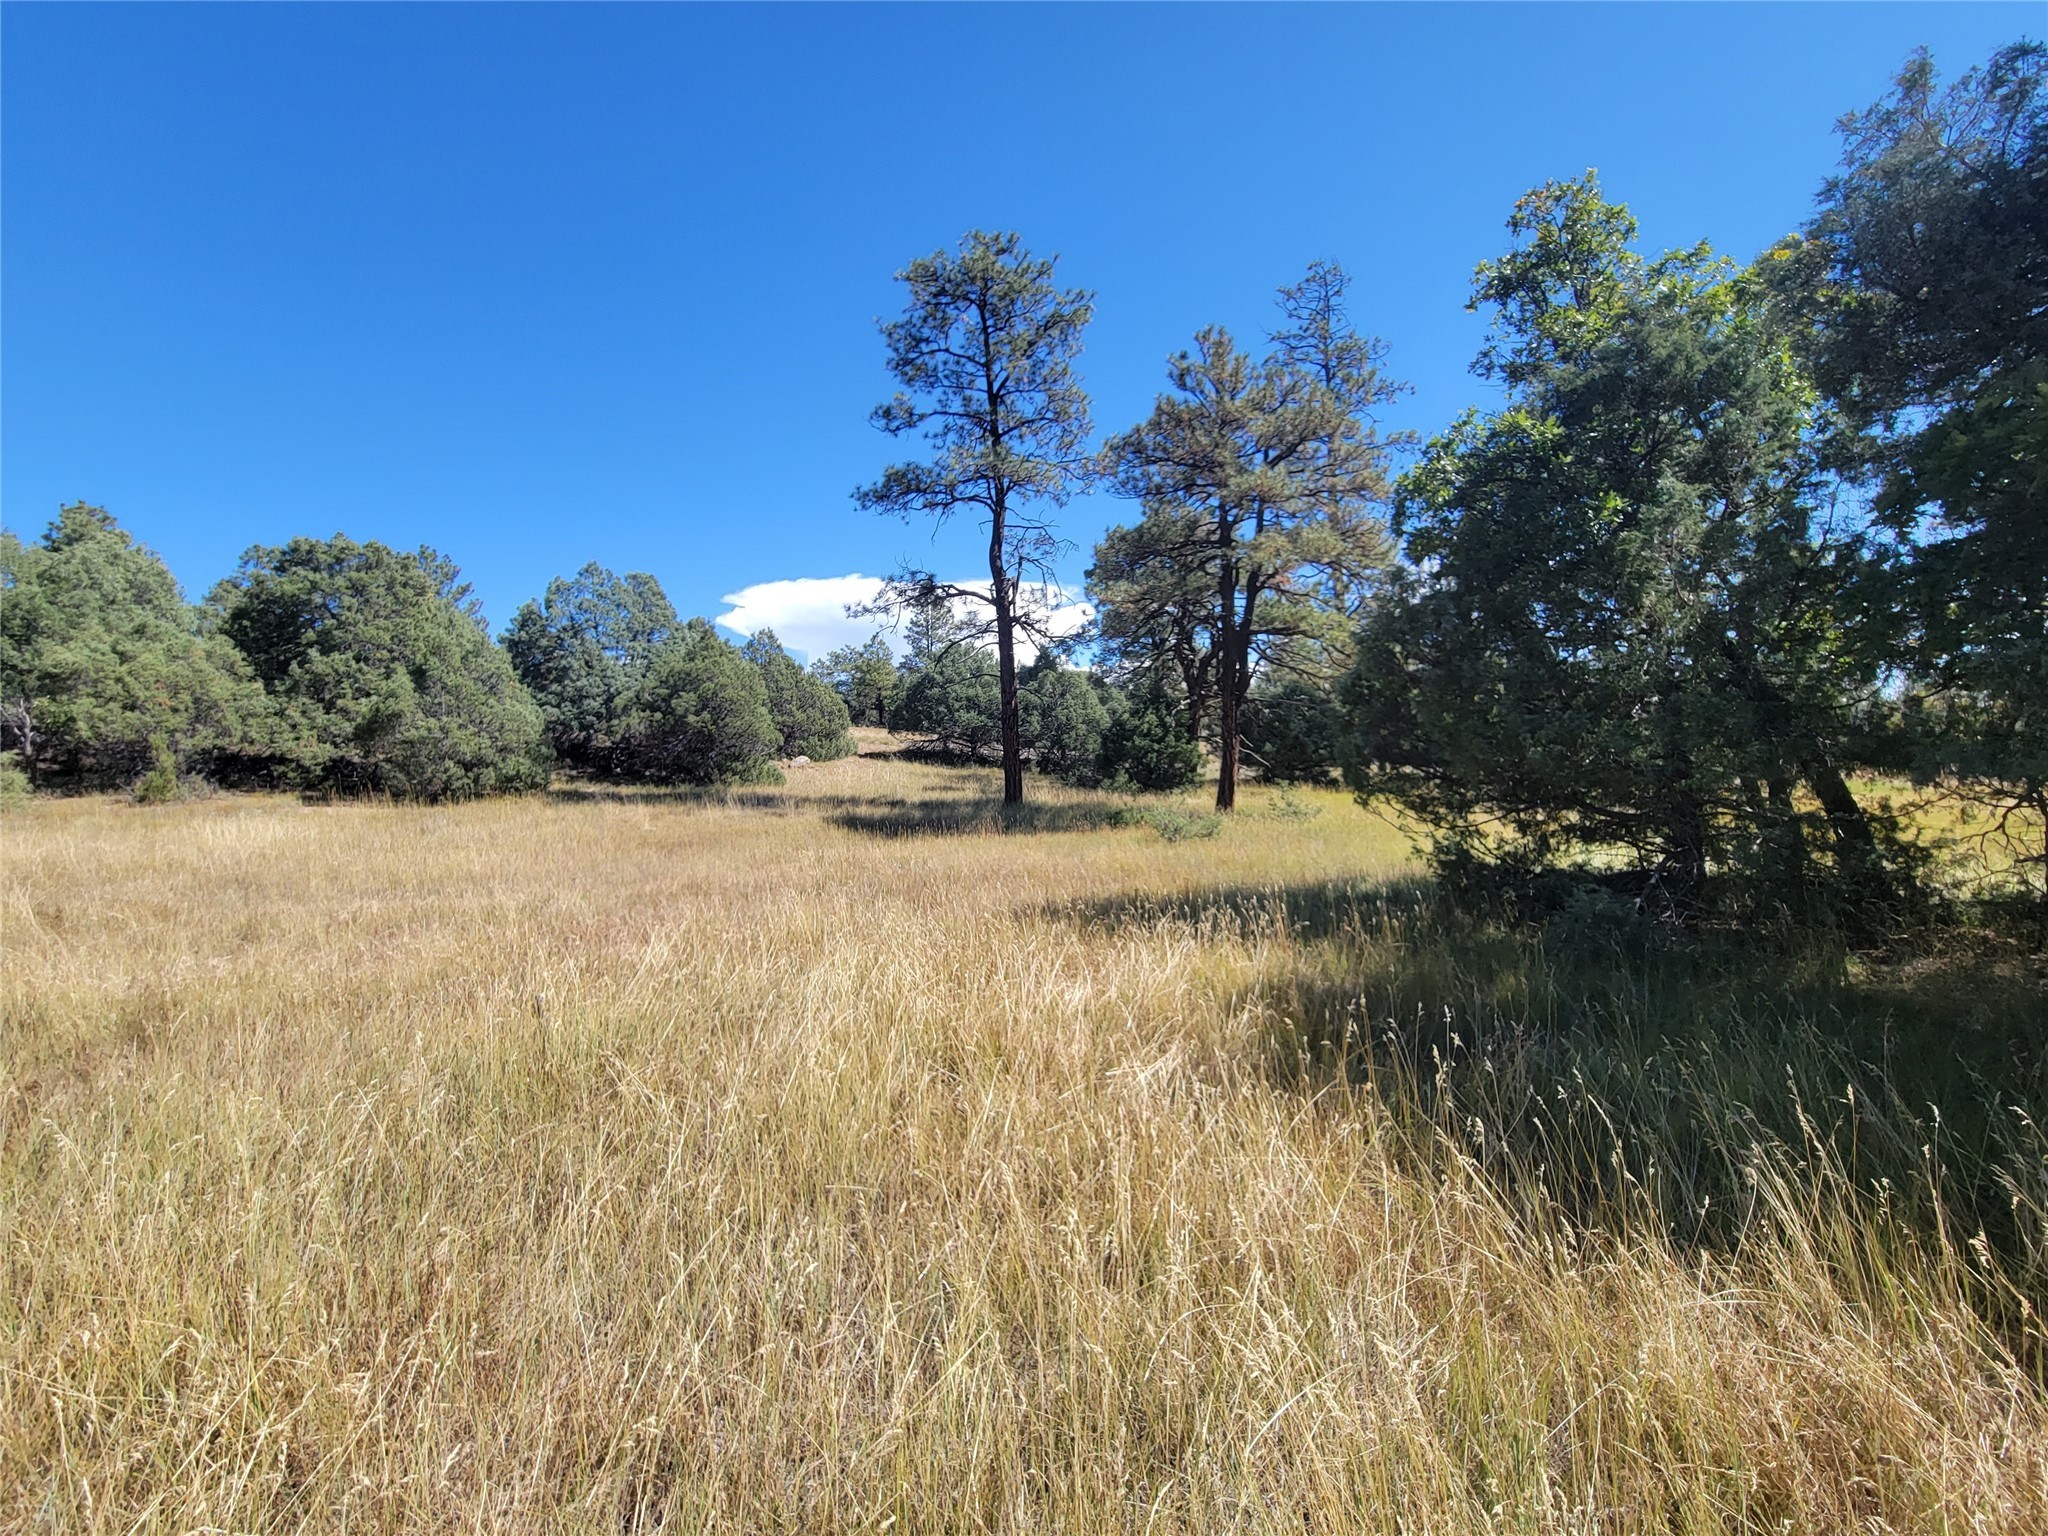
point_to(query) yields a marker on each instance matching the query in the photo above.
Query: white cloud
(808, 613)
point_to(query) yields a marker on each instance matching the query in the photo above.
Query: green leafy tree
(700, 715)
(104, 668)
(1621, 622)
(1262, 482)
(810, 718)
(985, 354)
(582, 649)
(1063, 718)
(1925, 274)
(864, 676)
(380, 671)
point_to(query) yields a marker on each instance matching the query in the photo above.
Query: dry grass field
(836, 1158)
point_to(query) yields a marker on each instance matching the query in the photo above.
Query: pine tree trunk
(1226, 691)
(1226, 750)
(1683, 866)
(1006, 662)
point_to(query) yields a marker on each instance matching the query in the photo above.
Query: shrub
(953, 701)
(1291, 732)
(15, 789)
(159, 782)
(1178, 825)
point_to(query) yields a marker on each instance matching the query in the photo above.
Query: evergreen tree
(1293, 730)
(1156, 610)
(864, 676)
(1262, 482)
(810, 718)
(984, 353)
(1925, 273)
(700, 715)
(581, 651)
(955, 701)
(1063, 718)
(1621, 623)
(104, 668)
(1145, 744)
(380, 672)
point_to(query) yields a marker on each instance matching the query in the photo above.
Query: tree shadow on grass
(1635, 1088)
(1312, 911)
(967, 816)
(962, 813)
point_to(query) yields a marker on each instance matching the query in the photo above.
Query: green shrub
(809, 716)
(1145, 745)
(1177, 825)
(953, 702)
(15, 788)
(159, 784)
(701, 716)
(1062, 719)
(1291, 732)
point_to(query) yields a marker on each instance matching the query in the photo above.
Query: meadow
(850, 1156)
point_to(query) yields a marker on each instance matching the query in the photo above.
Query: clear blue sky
(546, 284)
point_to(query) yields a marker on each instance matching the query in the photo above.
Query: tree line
(338, 667)
(341, 667)
(1734, 535)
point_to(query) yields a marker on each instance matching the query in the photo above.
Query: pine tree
(985, 353)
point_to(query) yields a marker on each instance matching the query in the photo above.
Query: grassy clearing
(848, 1156)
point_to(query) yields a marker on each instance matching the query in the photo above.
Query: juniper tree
(380, 672)
(984, 353)
(700, 715)
(1620, 621)
(103, 664)
(1064, 718)
(1925, 273)
(810, 716)
(581, 650)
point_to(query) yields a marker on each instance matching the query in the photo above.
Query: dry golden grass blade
(845, 1157)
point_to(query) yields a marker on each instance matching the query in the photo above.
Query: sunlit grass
(853, 1155)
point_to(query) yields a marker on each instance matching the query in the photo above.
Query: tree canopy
(984, 353)
(103, 664)
(1924, 281)
(380, 673)
(582, 648)
(1619, 623)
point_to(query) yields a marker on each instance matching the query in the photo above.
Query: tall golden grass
(836, 1158)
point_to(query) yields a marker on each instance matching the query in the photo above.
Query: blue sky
(546, 284)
